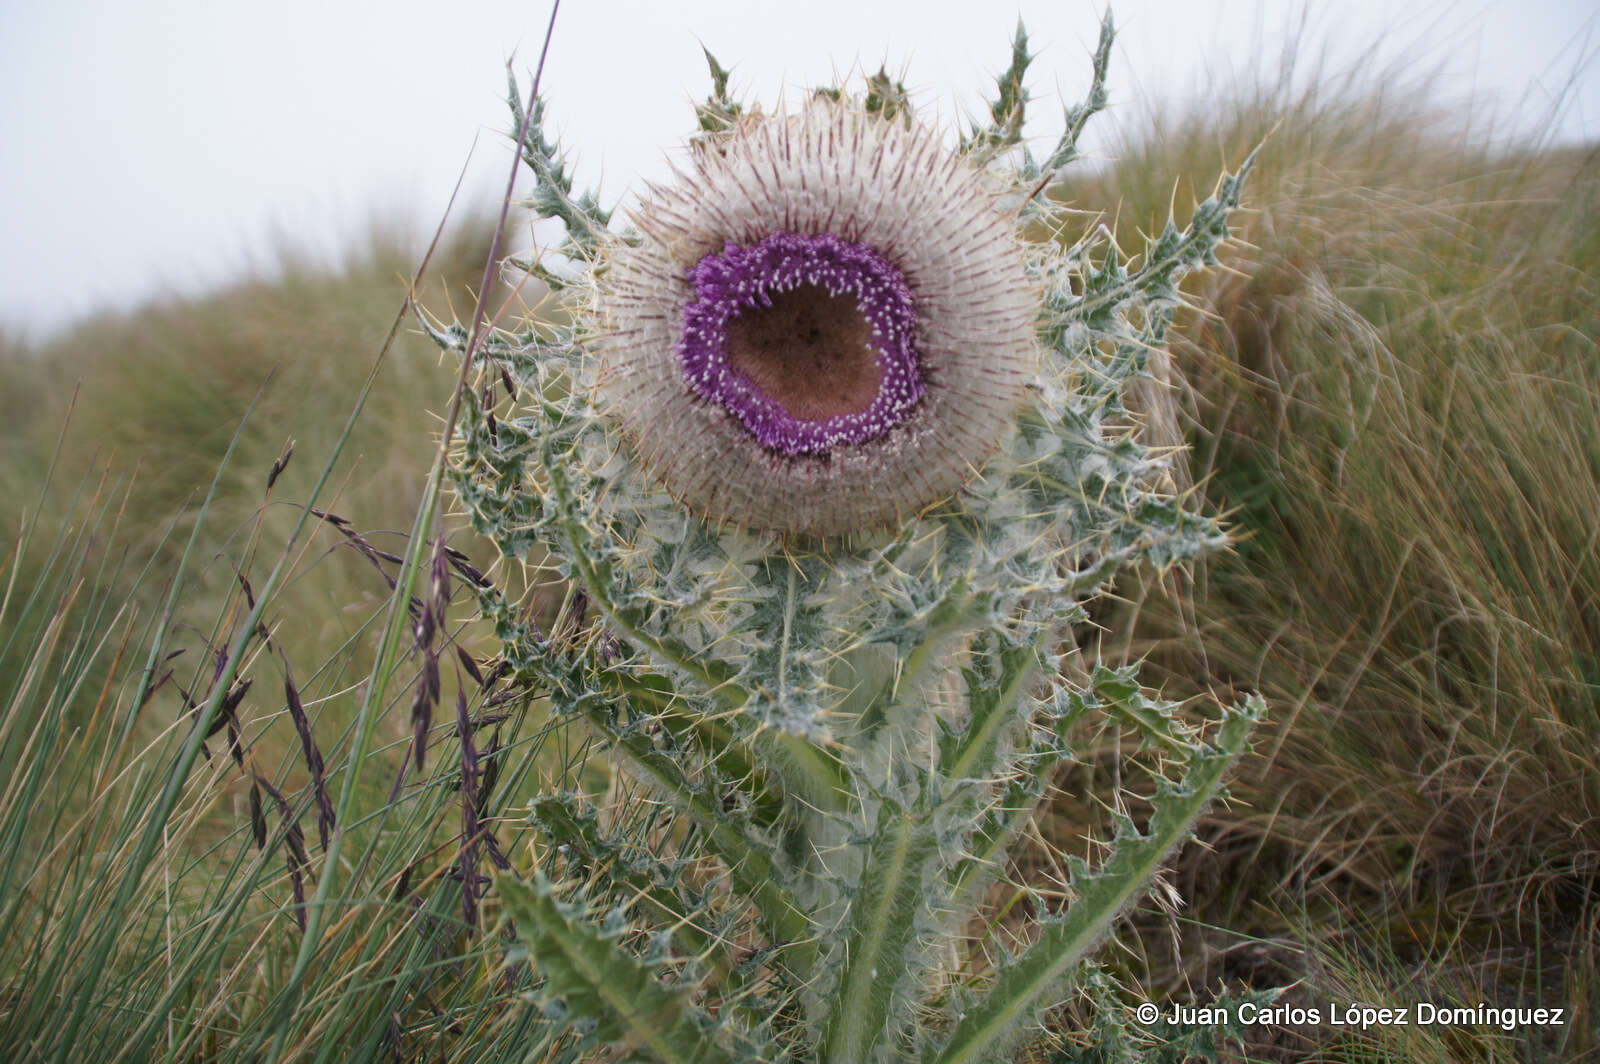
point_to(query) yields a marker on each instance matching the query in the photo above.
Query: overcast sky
(169, 146)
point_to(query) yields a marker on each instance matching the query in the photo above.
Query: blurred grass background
(1392, 390)
(151, 400)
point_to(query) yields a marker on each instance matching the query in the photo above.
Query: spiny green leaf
(1045, 173)
(720, 111)
(1007, 111)
(883, 918)
(600, 981)
(1000, 1017)
(1117, 693)
(752, 863)
(552, 196)
(996, 679)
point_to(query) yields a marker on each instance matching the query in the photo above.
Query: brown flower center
(810, 351)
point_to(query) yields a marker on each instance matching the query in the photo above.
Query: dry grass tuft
(1395, 394)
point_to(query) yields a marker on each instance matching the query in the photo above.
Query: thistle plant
(829, 451)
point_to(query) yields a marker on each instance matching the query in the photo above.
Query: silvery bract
(836, 456)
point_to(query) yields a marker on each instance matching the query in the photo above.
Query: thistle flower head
(823, 416)
(826, 326)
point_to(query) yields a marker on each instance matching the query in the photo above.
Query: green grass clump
(182, 671)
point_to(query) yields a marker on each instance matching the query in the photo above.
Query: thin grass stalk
(151, 838)
(224, 680)
(405, 581)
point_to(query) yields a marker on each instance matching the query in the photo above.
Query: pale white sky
(173, 145)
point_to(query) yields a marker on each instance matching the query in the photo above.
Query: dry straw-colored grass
(1394, 392)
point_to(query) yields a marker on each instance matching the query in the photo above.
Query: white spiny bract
(856, 700)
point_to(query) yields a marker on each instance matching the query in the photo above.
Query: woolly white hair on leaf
(831, 170)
